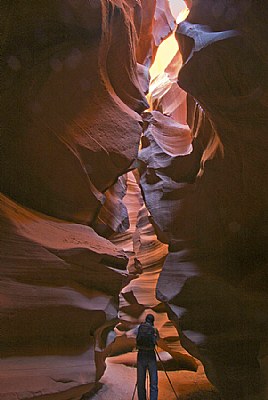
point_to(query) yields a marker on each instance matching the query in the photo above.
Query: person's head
(150, 318)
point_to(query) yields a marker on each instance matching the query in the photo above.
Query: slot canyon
(134, 180)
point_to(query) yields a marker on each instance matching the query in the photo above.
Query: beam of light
(165, 53)
(169, 47)
(182, 15)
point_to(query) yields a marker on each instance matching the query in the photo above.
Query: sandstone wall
(74, 228)
(210, 206)
(71, 96)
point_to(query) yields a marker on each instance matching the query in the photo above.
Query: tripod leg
(164, 369)
(135, 388)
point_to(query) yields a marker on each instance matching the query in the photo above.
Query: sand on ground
(118, 383)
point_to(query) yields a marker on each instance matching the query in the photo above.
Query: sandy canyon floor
(118, 383)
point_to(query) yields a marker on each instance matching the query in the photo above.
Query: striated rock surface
(59, 283)
(72, 88)
(212, 207)
(164, 22)
(69, 130)
(157, 23)
(63, 104)
(165, 94)
(146, 256)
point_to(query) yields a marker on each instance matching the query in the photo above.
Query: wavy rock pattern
(69, 131)
(62, 91)
(165, 94)
(214, 277)
(59, 283)
(71, 92)
(157, 24)
(146, 255)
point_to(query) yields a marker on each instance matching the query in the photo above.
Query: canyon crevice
(114, 203)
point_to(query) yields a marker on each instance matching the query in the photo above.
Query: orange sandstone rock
(67, 133)
(59, 284)
(215, 222)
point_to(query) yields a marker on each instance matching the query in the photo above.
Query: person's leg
(152, 366)
(141, 376)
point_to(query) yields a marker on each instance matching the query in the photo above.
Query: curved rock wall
(61, 98)
(72, 91)
(146, 256)
(211, 205)
(58, 286)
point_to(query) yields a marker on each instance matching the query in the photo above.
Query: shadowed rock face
(62, 97)
(72, 91)
(69, 130)
(214, 278)
(58, 286)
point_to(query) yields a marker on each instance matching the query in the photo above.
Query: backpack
(146, 337)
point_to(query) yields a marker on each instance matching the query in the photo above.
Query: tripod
(164, 369)
(177, 397)
(135, 388)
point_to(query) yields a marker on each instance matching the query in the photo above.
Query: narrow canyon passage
(133, 158)
(136, 300)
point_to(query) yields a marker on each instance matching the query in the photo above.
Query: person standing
(146, 339)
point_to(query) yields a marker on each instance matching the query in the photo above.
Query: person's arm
(135, 334)
(157, 336)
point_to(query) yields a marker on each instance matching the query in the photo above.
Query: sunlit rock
(146, 255)
(164, 21)
(72, 88)
(157, 24)
(113, 215)
(75, 78)
(165, 94)
(212, 209)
